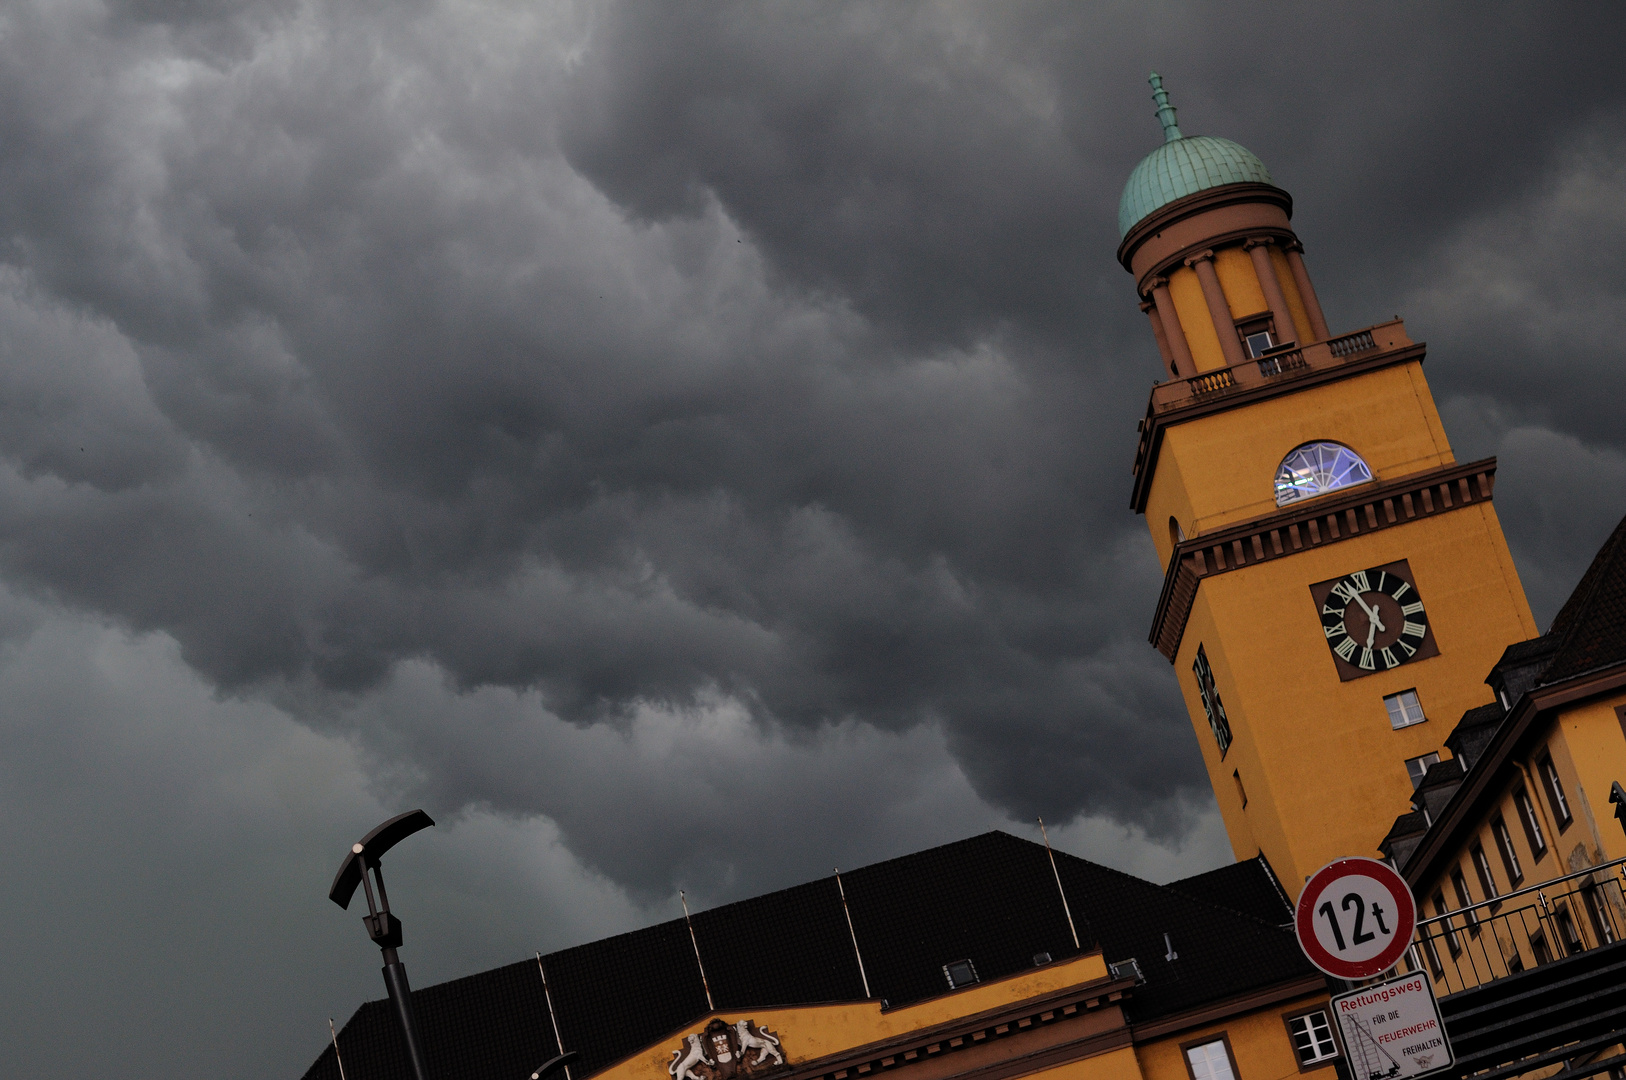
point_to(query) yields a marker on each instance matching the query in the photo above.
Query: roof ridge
(1222, 908)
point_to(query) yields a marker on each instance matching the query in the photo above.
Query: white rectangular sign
(1392, 1030)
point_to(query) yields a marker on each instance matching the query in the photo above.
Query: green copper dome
(1182, 167)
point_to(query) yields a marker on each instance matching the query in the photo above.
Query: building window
(1259, 343)
(1312, 1039)
(1212, 705)
(1538, 947)
(1210, 1061)
(1450, 931)
(1317, 468)
(1504, 844)
(1459, 885)
(1418, 767)
(1532, 827)
(1596, 908)
(1567, 935)
(1482, 869)
(1404, 709)
(1433, 955)
(1555, 792)
(959, 973)
(1241, 792)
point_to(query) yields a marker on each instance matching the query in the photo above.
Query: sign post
(1355, 920)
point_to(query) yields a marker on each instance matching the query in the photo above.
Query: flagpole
(335, 1036)
(701, 964)
(852, 933)
(547, 995)
(1064, 905)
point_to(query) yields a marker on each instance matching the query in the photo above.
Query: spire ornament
(1165, 111)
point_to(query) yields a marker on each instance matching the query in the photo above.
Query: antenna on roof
(334, 1035)
(851, 932)
(1165, 111)
(548, 995)
(1064, 905)
(697, 961)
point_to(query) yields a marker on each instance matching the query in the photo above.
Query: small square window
(1404, 709)
(1259, 344)
(1312, 1038)
(959, 973)
(1418, 767)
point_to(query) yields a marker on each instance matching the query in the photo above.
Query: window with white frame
(1418, 767)
(1404, 709)
(1209, 1061)
(1555, 791)
(1532, 826)
(1312, 1038)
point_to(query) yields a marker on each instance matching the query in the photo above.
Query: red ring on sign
(1405, 909)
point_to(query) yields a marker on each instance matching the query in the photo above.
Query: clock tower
(1336, 582)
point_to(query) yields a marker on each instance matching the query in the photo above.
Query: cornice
(1237, 1006)
(1481, 783)
(1317, 523)
(942, 1042)
(1197, 203)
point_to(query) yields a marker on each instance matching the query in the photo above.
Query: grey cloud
(662, 424)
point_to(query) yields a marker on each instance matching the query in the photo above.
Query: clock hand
(1371, 632)
(1372, 614)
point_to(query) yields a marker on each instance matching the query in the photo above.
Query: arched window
(1316, 468)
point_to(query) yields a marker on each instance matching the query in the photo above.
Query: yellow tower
(1336, 583)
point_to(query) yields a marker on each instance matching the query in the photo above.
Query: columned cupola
(1219, 270)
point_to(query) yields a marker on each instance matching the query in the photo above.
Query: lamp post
(382, 927)
(553, 1064)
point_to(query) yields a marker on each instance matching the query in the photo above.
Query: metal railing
(1473, 945)
(1257, 371)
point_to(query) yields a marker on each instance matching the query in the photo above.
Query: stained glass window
(1318, 467)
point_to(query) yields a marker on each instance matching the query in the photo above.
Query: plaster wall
(1192, 307)
(1258, 1040)
(814, 1031)
(1220, 469)
(1324, 771)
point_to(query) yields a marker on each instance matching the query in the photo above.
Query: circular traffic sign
(1355, 918)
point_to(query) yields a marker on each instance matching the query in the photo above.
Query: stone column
(1173, 336)
(1301, 277)
(1258, 248)
(1218, 309)
(1162, 339)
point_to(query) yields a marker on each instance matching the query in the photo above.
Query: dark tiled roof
(1404, 836)
(991, 899)
(1591, 626)
(1474, 732)
(494, 1024)
(1249, 887)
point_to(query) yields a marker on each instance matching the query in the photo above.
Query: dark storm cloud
(750, 360)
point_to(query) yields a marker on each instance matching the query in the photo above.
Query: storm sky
(676, 445)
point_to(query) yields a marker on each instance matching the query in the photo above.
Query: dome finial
(1165, 111)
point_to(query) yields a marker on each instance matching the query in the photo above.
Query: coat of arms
(724, 1051)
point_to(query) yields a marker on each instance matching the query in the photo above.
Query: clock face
(1373, 620)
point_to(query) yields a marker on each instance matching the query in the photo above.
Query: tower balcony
(1278, 366)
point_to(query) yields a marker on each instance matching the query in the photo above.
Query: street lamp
(553, 1064)
(382, 927)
